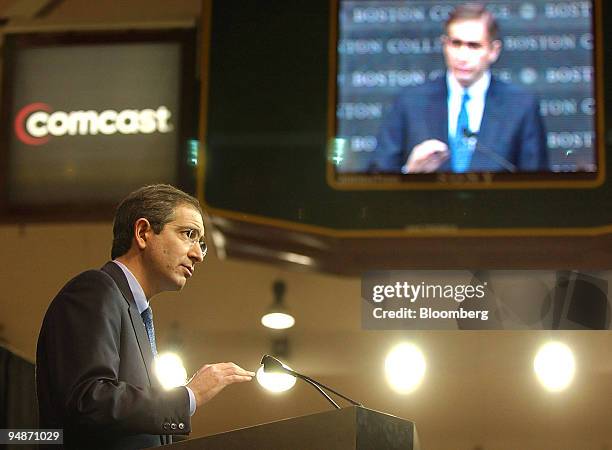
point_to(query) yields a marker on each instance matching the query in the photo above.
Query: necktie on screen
(147, 318)
(461, 152)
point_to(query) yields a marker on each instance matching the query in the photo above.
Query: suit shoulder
(522, 100)
(90, 287)
(425, 94)
(94, 278)
(512, 89)
(429, 88)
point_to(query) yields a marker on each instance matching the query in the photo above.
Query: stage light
(554, 366)
(296, 258)
(170, 370)
(278, 320)
(405, 368)
(278, 317)
(275, 382)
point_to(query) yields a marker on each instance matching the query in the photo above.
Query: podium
(351, 428)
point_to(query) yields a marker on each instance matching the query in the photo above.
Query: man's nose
(196, 254)
(463, 53)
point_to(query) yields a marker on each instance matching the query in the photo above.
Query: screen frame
(472, 180)
(185, 176)
(250, 182)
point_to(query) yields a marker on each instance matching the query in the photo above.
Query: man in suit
(94, 359)
(467, 121)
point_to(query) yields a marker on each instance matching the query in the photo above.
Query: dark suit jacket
(94, 371)
(511, 127)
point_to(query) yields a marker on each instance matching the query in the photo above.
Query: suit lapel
(492, 118)
(117, 274)
(436, 111)
(436, 116)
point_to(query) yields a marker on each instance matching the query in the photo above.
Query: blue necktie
(147, 318)
(461, 152)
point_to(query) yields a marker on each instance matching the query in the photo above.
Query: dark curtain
(17, 394)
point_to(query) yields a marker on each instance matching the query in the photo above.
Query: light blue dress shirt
(475, 106)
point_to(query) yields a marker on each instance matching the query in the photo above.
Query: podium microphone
(273, 365)
(492, 155)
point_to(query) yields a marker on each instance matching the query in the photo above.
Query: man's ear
(142, 227)
(496, 47)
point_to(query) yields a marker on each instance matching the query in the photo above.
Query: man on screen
(468, 121)
(95, 353)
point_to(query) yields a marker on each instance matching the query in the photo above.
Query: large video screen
(89, 116)
(436, 92)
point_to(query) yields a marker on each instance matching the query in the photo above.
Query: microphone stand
(467, 134)
(269, 362)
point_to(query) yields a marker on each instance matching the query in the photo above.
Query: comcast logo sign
(36, 123)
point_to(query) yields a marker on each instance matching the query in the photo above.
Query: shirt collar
(137, 292)
(476, 90)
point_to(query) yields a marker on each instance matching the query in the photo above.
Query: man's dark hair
(475, 11)
(156, 203)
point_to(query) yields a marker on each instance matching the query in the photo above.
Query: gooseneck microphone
(273, 365)
(487, 152)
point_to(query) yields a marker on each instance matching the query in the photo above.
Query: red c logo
(20, 119)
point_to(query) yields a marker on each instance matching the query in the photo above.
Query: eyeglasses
(193, 236)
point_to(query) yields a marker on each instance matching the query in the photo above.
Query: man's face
(171, 256)
(468, 50)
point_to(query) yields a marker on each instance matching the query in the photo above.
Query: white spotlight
(554, 366)
(278, 316)
(275, 382)
(170, 370)
(278, 320)
(405, 368)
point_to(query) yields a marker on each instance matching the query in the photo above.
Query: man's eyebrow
(194, 228)
(466, 42)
